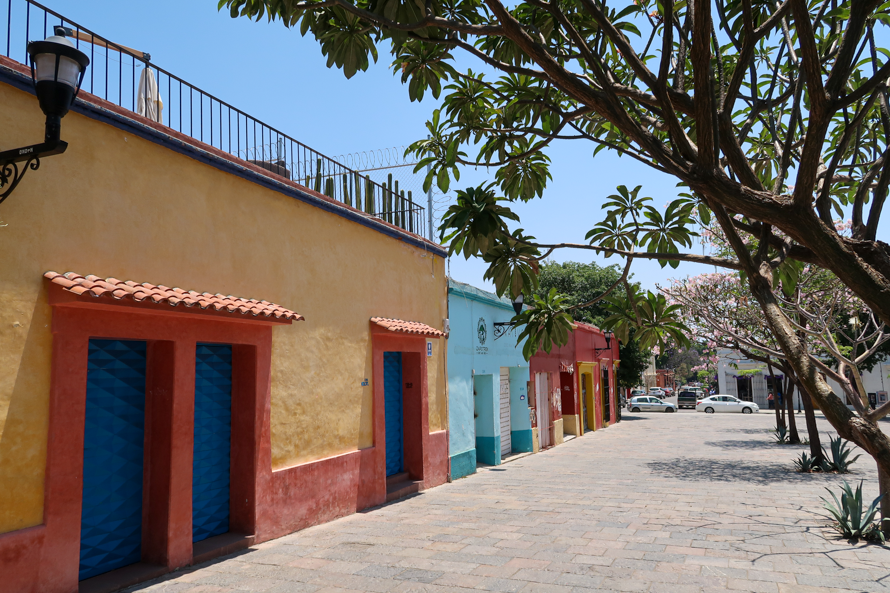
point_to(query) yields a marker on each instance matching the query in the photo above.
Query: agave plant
(850, 520)
(806, 464)
(840, 456)
(781, 435)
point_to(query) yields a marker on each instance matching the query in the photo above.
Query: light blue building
(488, 414)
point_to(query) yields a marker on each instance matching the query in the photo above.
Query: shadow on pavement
(714, 470)
(749, 444)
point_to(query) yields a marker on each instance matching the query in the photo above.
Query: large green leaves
(657, 323)
(545, 325)
(512, 264)
(475, 222)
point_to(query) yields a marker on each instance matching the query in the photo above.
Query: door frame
(589, 369)
(172, 336)
(421, 452)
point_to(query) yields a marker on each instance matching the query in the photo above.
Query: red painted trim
(46, 558)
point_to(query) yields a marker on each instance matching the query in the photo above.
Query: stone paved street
(680, 502)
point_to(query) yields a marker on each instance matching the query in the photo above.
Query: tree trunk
(793, 437)
(862, 431)
(884, 485)
(779, 422)
(812, 429)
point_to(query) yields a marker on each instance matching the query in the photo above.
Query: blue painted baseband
(522, 441)
(488, 450)
(463, 464)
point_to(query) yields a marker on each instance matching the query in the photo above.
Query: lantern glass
(68, 72)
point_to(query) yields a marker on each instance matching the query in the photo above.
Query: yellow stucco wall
(118, 205)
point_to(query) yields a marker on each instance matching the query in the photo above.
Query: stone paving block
(419, 575)
(545, 588)
(292, 587)
(748, 585)
(503, 585)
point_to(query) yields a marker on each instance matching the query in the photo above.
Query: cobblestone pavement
(660, 502)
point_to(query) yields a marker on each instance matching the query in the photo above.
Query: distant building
(750, 380)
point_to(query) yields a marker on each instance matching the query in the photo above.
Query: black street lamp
(502, 327)
(57, 70)
(608, 336)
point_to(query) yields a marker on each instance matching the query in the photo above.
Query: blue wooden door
(113, 451)
(392, 408)
(213, 441)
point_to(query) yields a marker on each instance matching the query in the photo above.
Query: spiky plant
(850, 520)
(840, 455)
(806, 464)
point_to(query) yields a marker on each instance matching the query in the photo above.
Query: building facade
(144, 427)
(574, 387)
(750, 380)
(488, 410)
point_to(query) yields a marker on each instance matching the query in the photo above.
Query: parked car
(656, 392)
(636, 392)
(687, 399)
(725, 403)
(647, 403)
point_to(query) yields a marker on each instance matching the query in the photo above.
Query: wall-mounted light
(502, 327)
(57, 70)
(608, 336)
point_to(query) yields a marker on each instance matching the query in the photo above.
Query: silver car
(649, 403)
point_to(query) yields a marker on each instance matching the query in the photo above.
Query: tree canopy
(771, 116)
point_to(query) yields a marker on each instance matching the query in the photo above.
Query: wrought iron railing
(127, 78)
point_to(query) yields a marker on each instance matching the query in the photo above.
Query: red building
(572, 390)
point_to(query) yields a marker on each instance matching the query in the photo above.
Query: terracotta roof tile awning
(112, 288)
(408, 327)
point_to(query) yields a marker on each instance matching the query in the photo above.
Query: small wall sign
(521, 397)
(429, 348)
(365, 383)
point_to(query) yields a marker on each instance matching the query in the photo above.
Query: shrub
(805, 463)
(850, 520)
(781, 435)
(840, 456)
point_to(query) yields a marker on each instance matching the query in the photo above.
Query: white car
(656, 392)
(725, 403)
(647, 403)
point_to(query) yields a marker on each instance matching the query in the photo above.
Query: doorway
(213, 441)
(743, 384)
(586, 401)
(542, 392)
(392, 407)
(505, 425)
(113, 454)
(606, 397)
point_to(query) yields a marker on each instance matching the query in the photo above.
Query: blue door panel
(213, 438)
(392, 408)
(113, 451)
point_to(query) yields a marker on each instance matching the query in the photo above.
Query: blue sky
(276, 75)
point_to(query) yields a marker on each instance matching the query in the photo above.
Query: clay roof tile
(160, 294)
(408, 327)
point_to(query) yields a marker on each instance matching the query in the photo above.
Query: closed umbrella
(148, 100)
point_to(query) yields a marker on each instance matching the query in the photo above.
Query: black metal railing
(127, 78)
